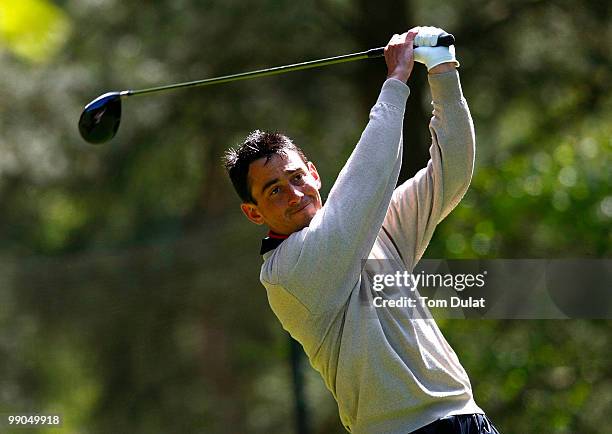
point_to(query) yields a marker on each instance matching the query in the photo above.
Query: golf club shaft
(445, 40)
(254, 74)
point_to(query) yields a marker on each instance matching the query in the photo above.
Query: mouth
(301, 208)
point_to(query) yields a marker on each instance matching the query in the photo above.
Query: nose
(295, 196)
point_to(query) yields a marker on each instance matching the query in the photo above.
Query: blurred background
(129, 291)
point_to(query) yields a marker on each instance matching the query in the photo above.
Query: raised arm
(321, 264)
(423, 201)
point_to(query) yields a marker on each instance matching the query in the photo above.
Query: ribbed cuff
(445, 86)
(394, 93)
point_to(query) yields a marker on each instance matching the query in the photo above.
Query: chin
(307, 219)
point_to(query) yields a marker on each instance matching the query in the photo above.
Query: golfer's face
(287, 193)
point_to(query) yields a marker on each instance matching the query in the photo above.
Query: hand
(428, 54)
(399, 55)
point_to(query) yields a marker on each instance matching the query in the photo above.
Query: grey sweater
(389, 372)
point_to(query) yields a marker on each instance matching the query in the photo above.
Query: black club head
(100, 118)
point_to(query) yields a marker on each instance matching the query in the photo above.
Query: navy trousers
(460, 424)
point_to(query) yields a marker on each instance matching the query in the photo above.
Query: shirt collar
(271, 242)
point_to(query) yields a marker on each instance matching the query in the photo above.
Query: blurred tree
(129, 298)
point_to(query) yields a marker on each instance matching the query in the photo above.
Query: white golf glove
(427, 53)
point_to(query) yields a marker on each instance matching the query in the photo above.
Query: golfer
(389, 372)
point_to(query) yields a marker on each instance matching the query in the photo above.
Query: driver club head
(100, 118)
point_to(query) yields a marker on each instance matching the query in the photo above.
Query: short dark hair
(258, 144)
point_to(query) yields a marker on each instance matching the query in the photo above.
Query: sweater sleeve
(321, 264)
(420, 203)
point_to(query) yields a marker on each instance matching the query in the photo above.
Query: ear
(313, 172)
(251, 212)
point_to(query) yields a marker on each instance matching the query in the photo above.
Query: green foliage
(537, 376)
(129, 298)
(34, 30)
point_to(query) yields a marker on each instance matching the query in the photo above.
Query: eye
(274, 191)
(298, 178)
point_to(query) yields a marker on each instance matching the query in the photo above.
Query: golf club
(101, 117)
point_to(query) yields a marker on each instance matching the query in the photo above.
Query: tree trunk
(375, 24)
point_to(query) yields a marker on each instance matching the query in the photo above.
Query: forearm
(453, 133)
(420, 203)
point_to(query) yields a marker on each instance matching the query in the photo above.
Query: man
(389, 372)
